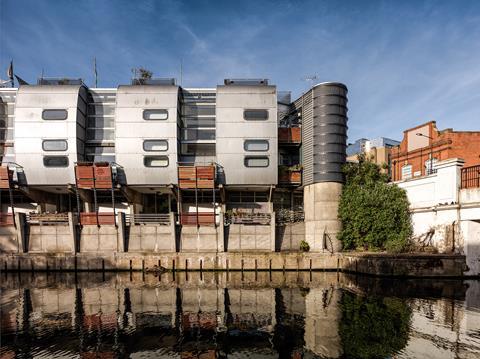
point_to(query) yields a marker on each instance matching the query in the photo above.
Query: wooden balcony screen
(5, 177)
(200, 219)
(97, 176)
(191, 177)
(289, 135)
(90, 218)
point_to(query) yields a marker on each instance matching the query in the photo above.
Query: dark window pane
(255, 115)
(55, 161)
(54, 114)
(198, 149)
(200, 122)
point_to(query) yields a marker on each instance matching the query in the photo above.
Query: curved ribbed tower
(324, 144)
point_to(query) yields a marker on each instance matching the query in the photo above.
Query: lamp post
(431, 151)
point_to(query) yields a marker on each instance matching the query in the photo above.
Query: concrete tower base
(321, 222)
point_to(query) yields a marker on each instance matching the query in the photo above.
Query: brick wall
(442, 145)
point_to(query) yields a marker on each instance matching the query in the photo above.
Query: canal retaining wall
(432, 265)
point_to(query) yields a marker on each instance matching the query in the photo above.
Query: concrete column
(122, 228)
(173, 232)
(72, 224)
(21, 222)
(272, 231)
(448, 180)
(321, 216)
(220, 234)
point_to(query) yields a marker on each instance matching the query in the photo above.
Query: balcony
(196, 177)
(470, 177)
(94, 176)
(290, 176)
(290, 135)
(197, 219)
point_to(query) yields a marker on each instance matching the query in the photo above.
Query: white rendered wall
(437, 203)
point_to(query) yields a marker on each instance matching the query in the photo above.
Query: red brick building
(419, 144)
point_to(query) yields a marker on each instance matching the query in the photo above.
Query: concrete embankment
(406, 265)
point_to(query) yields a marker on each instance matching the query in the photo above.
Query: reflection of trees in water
(373, 327)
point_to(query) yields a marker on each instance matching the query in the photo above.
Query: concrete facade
(445, 216)
(321, 216)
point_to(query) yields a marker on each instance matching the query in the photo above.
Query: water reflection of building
(446, 328)
(292, 316)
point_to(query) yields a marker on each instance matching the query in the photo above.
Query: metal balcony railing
(248, 218)
(47, 218)
(470, 177)
(284, 216)
(144, 218)
(93, 218)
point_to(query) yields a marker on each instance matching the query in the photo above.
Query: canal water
(236, 315)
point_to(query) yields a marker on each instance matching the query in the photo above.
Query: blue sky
(404, 62)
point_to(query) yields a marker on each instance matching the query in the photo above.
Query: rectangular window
(199, 110)
(55, 115)
(153, 115)
(256, 145)
(100, 154)
(407, 171)
(198, 149)
(100, 110)
(200, 122)
(54, 145)
(55, 161)
(196, 134)
(430, 166)
(256, 161)
(155, 161)
(155, 145)
(100, 134)
(255, 115)
(100, 122)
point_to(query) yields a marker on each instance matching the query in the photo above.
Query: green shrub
(304, 246)
(374, 214)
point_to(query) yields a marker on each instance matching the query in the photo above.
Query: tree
(145, 74)
(374, 213)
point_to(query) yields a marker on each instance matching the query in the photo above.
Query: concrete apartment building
(154, 167)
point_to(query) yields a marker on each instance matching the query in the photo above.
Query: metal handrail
(148, 218)
(248, 218)
(289, 216)
(44, 218)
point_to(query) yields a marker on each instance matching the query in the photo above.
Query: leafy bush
(374, 214)
(304, 246)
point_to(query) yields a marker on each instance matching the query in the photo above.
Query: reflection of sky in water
(235, 315)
